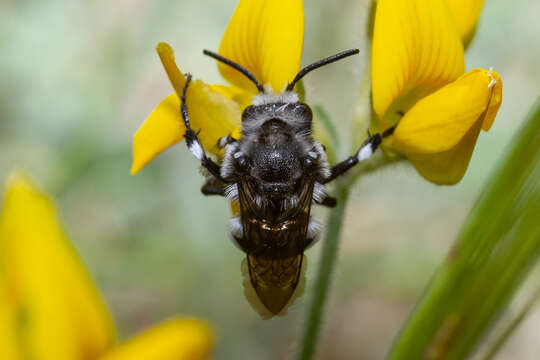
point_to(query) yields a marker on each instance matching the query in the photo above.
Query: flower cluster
(419, 84)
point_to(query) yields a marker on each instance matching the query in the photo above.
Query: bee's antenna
(236, 66)
(320, 63)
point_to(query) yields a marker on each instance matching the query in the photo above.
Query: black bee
(274, 172)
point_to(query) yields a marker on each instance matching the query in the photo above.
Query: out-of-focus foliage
(49, 306)
(496, 249)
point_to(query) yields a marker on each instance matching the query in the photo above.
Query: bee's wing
(275, 281)
(275, 254)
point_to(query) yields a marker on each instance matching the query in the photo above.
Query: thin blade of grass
(513, 325)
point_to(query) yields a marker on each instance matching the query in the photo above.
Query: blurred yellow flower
(49, 307)
(266, 38)
(418, 84)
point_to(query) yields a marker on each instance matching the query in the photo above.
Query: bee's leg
(225, 140)
(213, 186)
(193, 143)
(236, 231)
(327, 201)
(313, 232)
(364, 152)
(321, 197)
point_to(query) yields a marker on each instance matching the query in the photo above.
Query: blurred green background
(77, 78)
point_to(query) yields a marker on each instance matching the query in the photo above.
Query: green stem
(324, 274)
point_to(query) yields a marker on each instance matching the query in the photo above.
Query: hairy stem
(324, 274)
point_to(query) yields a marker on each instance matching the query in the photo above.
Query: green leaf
(497, 246)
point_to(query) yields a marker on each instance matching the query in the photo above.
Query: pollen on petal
(493, 81)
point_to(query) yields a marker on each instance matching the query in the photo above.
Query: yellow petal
(438, 122)
(416, 50)
(466, 14)
(212, 113)
(8, 328)
(240, 96)
(447, 167)
(163, 128)
(266, 37)
(176, 77)
(178, 339)
(64, 316)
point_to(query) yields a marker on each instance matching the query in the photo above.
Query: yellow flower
(418, 83)
(266, 38)
(49, 307)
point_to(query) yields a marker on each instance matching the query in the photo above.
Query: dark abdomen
(274, 255)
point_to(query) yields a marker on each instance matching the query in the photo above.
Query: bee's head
(270, 117)
(275, 155)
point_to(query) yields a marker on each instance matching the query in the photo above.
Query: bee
(275, 172)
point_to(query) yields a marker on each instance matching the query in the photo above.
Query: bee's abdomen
(274, 241)
(275, 280)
